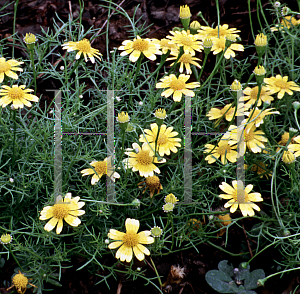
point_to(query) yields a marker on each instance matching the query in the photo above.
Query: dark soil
(163, 14)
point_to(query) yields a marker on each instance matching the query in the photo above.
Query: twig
(248, 243)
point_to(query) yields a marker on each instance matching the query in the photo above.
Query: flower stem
(202, 68)
(159, 280)
(33, 70)
(14, 139)
(138, 68)
(158, 130)
(262, 281)
(122, 150)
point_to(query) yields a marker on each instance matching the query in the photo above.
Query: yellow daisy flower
(68, 210)
(261, 169)
(286, 22)
(240, 198)
(219, 45)
(216, 113)
(83, 47)
(165, 46)
(138, 46)
(223, 149)
(288, 157)
(153, 183)
(17, 95)
(218, 32)
(251, 95)
(5, 239)
(284, 139)
(295, 147)
(101, 168)
(142, 161)
(177, 86)
(130, 241)
(257, 116)
(171, 198)
(189, 42)
(253, 138)
(165, 141)
(20, 282)
(7, 68)
(185, 60)
(281, 85)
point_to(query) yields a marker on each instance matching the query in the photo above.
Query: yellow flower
(130, 241)
(185, 60)
(257, 117)
(177, 86)
(219, 45)
(83, 47)
(153, 183)
(195, 25)
(288, 157)
(101, 168)
(295, 147)
(67, 210)
(236, 86)
(165, 46)
(259, 70)
(225, 220)
(20, 282)
(253, 138)
(5, 239)
(284, 139)
(218, 32)
(223, 149)
(216, 113)
(251, 95)
(171, 198)
(189, 42)
(142, 161)
(146, 46)
(240, 197)
(29, 38)
(160, 113)
(281, 85)
(185, 12)
(165, 141)
(261, 169)
(17, 95)
(168, 207)
(261, 40)
(123, 117)
(156, 232)
(286, 22)
(7, 68)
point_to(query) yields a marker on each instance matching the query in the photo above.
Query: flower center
(15, 93)
(20, 281)
(143, 158)
(281, 84)
(4, 66)
(186, 41)
(60, 211)
(185, 58)
(162, 139)
(131, 239)
(249, 136)
(84, 46)
(141, 45)
(101, 168)
(152, 181)
(177, 85)
(222, 149)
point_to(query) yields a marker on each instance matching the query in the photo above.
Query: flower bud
(160, 114)
(185, 16)
(296, 105)
(261, 42)
(123, 119)
(194, 26)
(30, 40)
(260, 73)
(285, 11)
(230, 38)
(207, 44)
(235, 87)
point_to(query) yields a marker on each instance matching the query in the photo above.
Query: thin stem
(122, 150)
(33, 70)
(14, 27)
(202, 68)
(156, 272)
(156, 139)
(14, 139)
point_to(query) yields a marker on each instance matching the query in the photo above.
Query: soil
(163, 14)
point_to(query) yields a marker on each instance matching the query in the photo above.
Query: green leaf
(251, 280)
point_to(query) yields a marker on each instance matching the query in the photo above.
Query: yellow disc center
(281, 84)
(15, 93)
(4, 66)
(249, 136)
(101, 168)
(222, 149)
(141, 45)
(152, 181)
(20, 281)
(185, 58)
(84, 46)
(177, 85)
(186, 41)
(60, 211)
(131, 239)
(162, 139)
(143, 158)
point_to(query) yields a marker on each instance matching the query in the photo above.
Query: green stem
(122, 150)
(138, 67)
(250, 20)
(296, 118)
(14, 27)
(262, 281)
(14, 139)
(15, 259)
(156, 139)
(156, 272)
(202, 68)
(33, 70)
